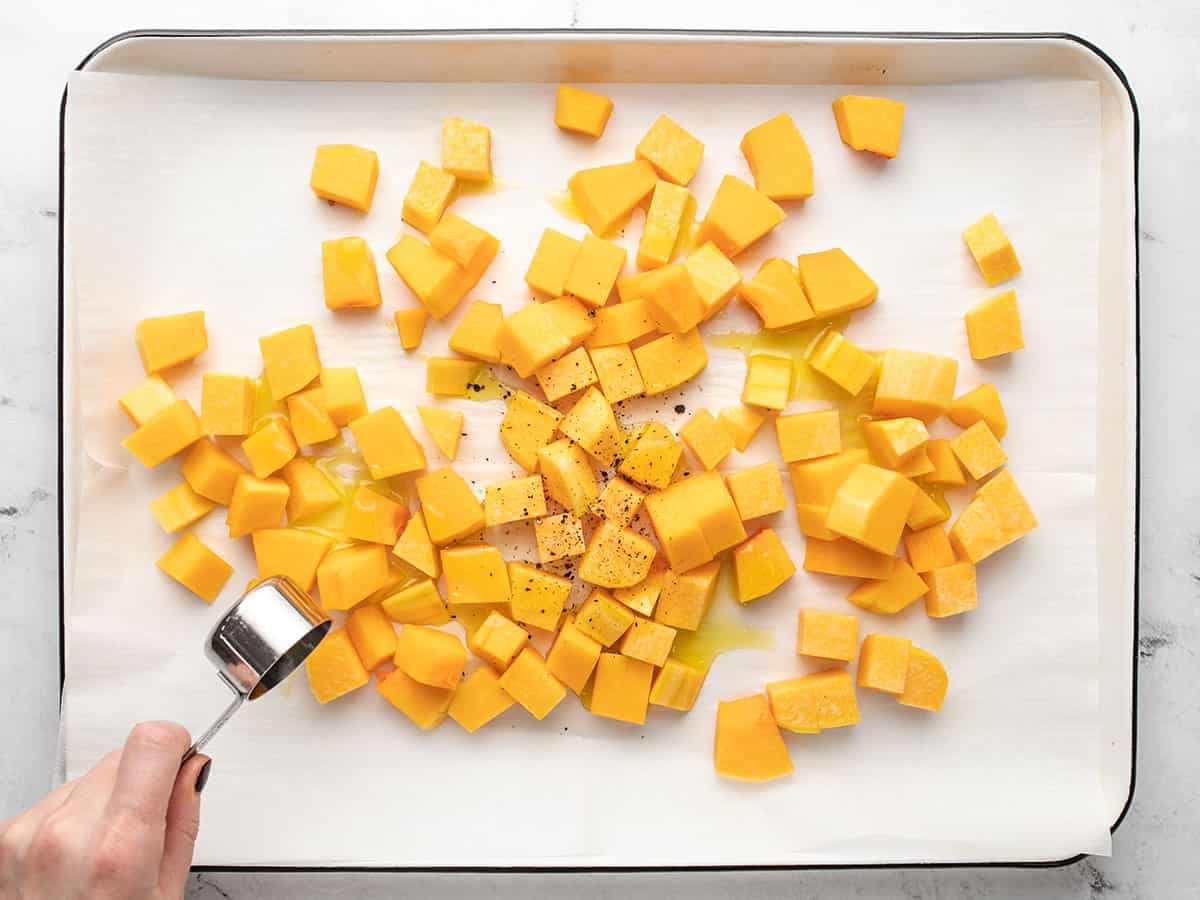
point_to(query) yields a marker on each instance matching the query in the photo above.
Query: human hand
(123, 831)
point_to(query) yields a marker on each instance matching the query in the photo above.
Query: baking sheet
(191, 193)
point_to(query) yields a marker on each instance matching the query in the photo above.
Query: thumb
(183, 824)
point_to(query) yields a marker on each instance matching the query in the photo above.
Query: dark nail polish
(202, 778)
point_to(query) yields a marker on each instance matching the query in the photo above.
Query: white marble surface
(1157, 44)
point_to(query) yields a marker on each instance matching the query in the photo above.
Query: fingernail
(202, 778)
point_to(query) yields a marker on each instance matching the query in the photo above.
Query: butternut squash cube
(779, 159)
(256, 503)
(349, 575)
(869, 123)
(551, 263)
(833, 283)
(978, 450)
(594, 270)
(602, 618)
(566, 375)
(478, 699)
(226, 404)
(154, 395)
(914, 384)
(466, 149)
(925, 687)
(170, 430)
(892, 594)
(294, 554)
(757, 491)
(994, 326)
(538, 597)
(514, 500)
(432, 657)
(883, 663)
(768, 381)
(167, 341)
(809, 435)
(761, 564)
(374, 518)
(716, 278)
(617, 371)
(345, 174)
(871, 507)
(444, 427)
(622, 688)
(703, 501)
(671, 360)
(952, 590)
(917, 467)
(386, 444)
(685, 596)
(674, 153)
(814, 483)
(572, 657)
(812, 703)
(348, 273)
(498, 640)
(652, 459)
(669, 205)
(616, 557)
(742, 423)
(774, 293)
(333, 668)
(475, 335)
(568, 476)
(620, 324)
(677, 685)
(529, 339)
(926, 511)
(309, 418)
(575, 320)
(179, 507)
(629, 287)
(417, 604)
(528, 425)
(747, 745)
(946, 468)
(290, 360)
(738, 216)
(979, 403)
(530, 683)
(450, 377)
(928, 548)
(895, 441)
(190, 562)
(827, 635)
(707, 440)
(648, 641)
(606, 195)
(581, 111)
(993, 252)
(672, 299)
(558, 537)
(642, 596)
(415, 547)
(310, 492)
(270, 448)
(430, 192)
(410, 325)
(590, 423)
(849, 367)
(434, 278)
(845, 557)
(372, 634)
(996, 516)
(618, 502)
(468, 245)
(475, 574)
(424, 706)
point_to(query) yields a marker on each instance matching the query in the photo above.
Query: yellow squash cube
(952, 590)
(883, 663)
(551, 263)
(992, 250)
(475, 574)
(478, 699)
(444, 427)
(716, 278)
(672, 299)
(618, 502)
(417, 604)
(269, 448)
(566, 375)
(834, 283)
(768, 381)
(498, 640)
(779, 159)
(451, 509)
(410, 325)
(871, 507)
(811, 703)
(374, 518)
(590, 423)
(669, 205)
(211, 472)
(774, 293)
(594, 270)
(538, 597)
(738, 216)
(179, 507)
(575, 320)
(424, 706)
(286, 551)
(926, 684)
(677, 685)
(386, 444)
(895, 441)
(892, 594)
(372, 634)
(978, 450)
(349, 575)
(309, 417)
(527, 426)
(761, 564)
(980, 403)
(167, 341)
(669, 361)
(349, 275)
(602, 618)
(996, 516)
(530, 683)
(844, 557)
(994, 326)
(826, 635)
(529, 339)
(742, 423)
(333, 668)
(170, 430)
(346, 174)
(617, 371)
(226, 404)
(450, 377)
(430, 192)
(620, 324)
(869, 123)
(648, 641)
(153, 396)
(430, 656)
(928, 548)
(652, 459)
(606, 195)
(914, 384)
(568, 476)
(674, 153)
(708, 441)
(416, 548)
(809, 435)
(476, 333)
(945, 466)
(847, 366)
(196, 567)
(434, 278)
(814, 483)
(467, 244)
(514, 500)
(616, 557)
(466, 149)
(747, 745)
(572, 657)
(558, 537)
(622, 688)
(310, 492)
(685, 596)
(581, 111)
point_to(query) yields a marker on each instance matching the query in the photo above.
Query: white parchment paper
(192, 194)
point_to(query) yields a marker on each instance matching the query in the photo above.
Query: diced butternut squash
(434, 278)
(757, 491)
(572, 657)
(845, 557)
(684, 598)
(883, 663)
(672, 299)
(653, 457)
(620, 324)
(670, 204)
(996, 516)
(602, 618)
(926, 511)
(226, 404)
(872, 124)
(417, 604)
(581, 111)
(695, 519)
(618, 502)
(372, 634)
(346, 174)
(558, 537)
(179, 507)
(551, 263)
(348, 273)
(994, 326)
(761, 564)
(528, 425)
(169, 431)
(914, 384)
(774, 293)
(309, 417)
(416, 548)
(423, 705)
(594, 270)
(928, 548)
(167, 341)
(606, 195)
(871, 508)
(643, 596)
(530, 683)
(154, 395)
(429, 193)
(537, 597)
(742, 423)
(648, 641)
(925, 687)
(978, 450)
(410, 325)
(616, 557)
(716, 278)
(514, 500)
(467, 244)
(892, 594)
(847, 366)
(529, 339)
(809, 435)
(290, 360)
(349, 575)
(895, 441)
(256, 503)
(827, 635)
(386, 444)
(475, 574)
(993, 252)
(444, 427)
(498, 640)
(834, 283)
(590, 423)
(738, 216)
(707, 440)
(478, 699)
(430, 656)
(617, 371)
(310, 492)
(952, 590)
(768, 381)
(946, 468)
(674, 153)
(669, 361)
(814, 483)
(677, 685)
(270, 448)
(475, 335)
(811, 703)
(374, 518)
(286, 551)
(747, 745)
(190, 562)
(566, 375)
(568, 476)
(622, 688)
(466, 149)
(779, 159)
(333, 668)
(980, 403)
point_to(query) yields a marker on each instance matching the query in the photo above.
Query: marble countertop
(1157, 43)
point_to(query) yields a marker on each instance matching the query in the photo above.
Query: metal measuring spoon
(263, 638)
